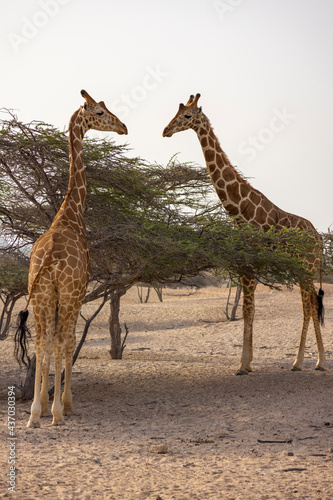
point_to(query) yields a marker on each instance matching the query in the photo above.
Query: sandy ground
(171, 420)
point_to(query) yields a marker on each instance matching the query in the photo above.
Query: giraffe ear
(88, 98)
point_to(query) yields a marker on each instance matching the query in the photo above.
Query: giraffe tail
(321, 309)
(22, 337)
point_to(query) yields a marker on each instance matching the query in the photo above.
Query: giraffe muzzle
(166, 132)
(124, 131)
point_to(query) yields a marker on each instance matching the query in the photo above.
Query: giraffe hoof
(33, 425)
(67, 411)
(58, 422)
(296, 369)
(320, 368)
(242, 372)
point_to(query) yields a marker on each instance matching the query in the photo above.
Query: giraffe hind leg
(67, 400)
(57, 413)
(307, 311)
(319, 340)
(34, 420)
(64, 343)
(44, 394)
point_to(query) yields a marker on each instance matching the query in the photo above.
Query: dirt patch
(171, 420)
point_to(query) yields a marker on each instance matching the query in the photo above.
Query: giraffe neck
(238, 197)
(70, 213)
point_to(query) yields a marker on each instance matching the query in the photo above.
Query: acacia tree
(13, 285)
(130, 211)
(145, 223)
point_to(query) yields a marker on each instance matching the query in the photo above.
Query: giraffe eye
(187, 116)
(100, 113)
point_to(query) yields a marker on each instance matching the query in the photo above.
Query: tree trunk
(117, 347)
(8, 306)
(27, 390)
(232, 316)
(140, 294)
(159, 290)
(234, 307)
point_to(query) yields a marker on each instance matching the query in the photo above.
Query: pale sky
(263, 68)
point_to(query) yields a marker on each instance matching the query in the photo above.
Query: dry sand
(171, 420)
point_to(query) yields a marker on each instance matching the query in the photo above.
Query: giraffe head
(98, 117)
(186, 117)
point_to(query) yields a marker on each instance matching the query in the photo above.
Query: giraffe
(244, 203)
(59, 271)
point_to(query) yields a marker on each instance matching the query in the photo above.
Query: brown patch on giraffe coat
(219, 160)
(215, 175)
(70, 214)
(231, 209)
(244, 189)
(209, 155)
(266, 204)
(261, 216)
(77, 130)
(247, 209)
(255, 197)
(228, 174)
(233, 192)
(203, 141)
(225, 158)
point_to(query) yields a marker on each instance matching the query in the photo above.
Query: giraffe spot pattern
(241, 200)
(209, 155)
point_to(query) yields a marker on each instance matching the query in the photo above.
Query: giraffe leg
(306, 302)
(34, 420)
(44, 394)
(67, 401)
(248, 286)
(58, 418)
(320, 345)
(43, 303)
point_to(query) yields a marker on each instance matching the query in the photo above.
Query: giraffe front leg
(248, 286)
(58, 418)
(306, 302)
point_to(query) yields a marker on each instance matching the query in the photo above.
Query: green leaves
(145, 222)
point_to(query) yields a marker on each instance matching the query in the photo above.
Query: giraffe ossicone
(244, 203)
(59, 272)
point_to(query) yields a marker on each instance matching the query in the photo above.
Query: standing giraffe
(59, 272)
(245, 203)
